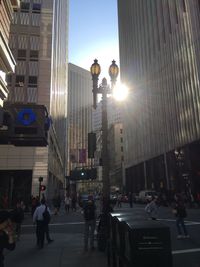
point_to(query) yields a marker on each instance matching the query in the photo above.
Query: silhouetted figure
(130, 199)
(7, 233)
(89, 210)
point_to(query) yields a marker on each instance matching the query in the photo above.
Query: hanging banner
(74, 155)
(82, 155)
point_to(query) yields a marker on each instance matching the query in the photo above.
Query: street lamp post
(104, 89)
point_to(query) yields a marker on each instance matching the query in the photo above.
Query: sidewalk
(67, 250)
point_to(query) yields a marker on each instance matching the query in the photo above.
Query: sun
(120, 92)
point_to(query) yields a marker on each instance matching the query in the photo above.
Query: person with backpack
(42, 217)
(89, 212)
(180, 213)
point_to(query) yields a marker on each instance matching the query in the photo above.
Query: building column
(166, 171)
(145, 175)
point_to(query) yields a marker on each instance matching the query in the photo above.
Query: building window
(36, 8)
(122, 149)
(34, 54)
(20, 80)
(121, 131)
(32, 81)
(9, 79)
(184, 6)
(121, 140)
(21, 54)
(25, 7)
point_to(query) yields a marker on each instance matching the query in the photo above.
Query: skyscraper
(159, 61)
(7, 61)
(79, 118)
(39, 41)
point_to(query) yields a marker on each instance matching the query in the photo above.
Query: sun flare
(120, 92)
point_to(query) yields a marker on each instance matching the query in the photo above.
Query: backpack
(89, 212)
(46, 216)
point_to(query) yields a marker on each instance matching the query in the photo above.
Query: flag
(73, 155)
(82, 155)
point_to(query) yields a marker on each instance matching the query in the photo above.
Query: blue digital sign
(26, 116)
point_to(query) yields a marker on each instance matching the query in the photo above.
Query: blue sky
(93, 33)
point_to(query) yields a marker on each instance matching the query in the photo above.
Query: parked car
(146, 195)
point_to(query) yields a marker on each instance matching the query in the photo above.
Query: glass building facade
(159, 61)
(39, 43)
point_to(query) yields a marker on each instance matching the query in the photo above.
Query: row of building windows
(26, 7)
(22, 55)
(20, 80)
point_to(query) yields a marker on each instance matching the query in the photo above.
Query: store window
(21, 54)
(20, 80)
(25, 7)
(9, 79)
(34, 54)
(36, 8)
(32, 81)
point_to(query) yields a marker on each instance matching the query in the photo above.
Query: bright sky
(93, 33)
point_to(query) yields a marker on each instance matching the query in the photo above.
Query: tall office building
(7, 61)
(39, 41)
(79, 120)
(160, 62)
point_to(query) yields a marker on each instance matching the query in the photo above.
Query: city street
(67, 249)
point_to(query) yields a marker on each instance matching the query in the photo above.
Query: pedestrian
(42, 223)
(152, 208)
(18, 214)
(89, 211)
(7, 240)
(180, 212)
(34, 205)
(67, 203)
(73, 203)
(119, 200)
(130, 199)
(56, 204)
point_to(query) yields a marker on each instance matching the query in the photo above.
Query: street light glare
(120, 92)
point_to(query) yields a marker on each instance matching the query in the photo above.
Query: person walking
(67, 203)
(18, 214)
(7, 233)
(42, 223)
(180, 213)
(152, 209)
(89, 211)
(130, 199)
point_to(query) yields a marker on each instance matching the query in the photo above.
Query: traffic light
(83, 174)
(42, 188)
(91, 145)
(27, 124)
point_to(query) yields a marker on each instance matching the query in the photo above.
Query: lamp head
(113, 71)
(95, 69)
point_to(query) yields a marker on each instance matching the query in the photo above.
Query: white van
(146, 195)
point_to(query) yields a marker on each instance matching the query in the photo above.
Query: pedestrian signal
(42, 188)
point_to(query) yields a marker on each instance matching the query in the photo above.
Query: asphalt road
(186, 252)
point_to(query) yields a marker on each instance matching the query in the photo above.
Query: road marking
(186, 222)
(55, 224)
(185, 251)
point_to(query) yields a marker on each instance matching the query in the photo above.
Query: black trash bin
(145, 244)
(114, 238)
